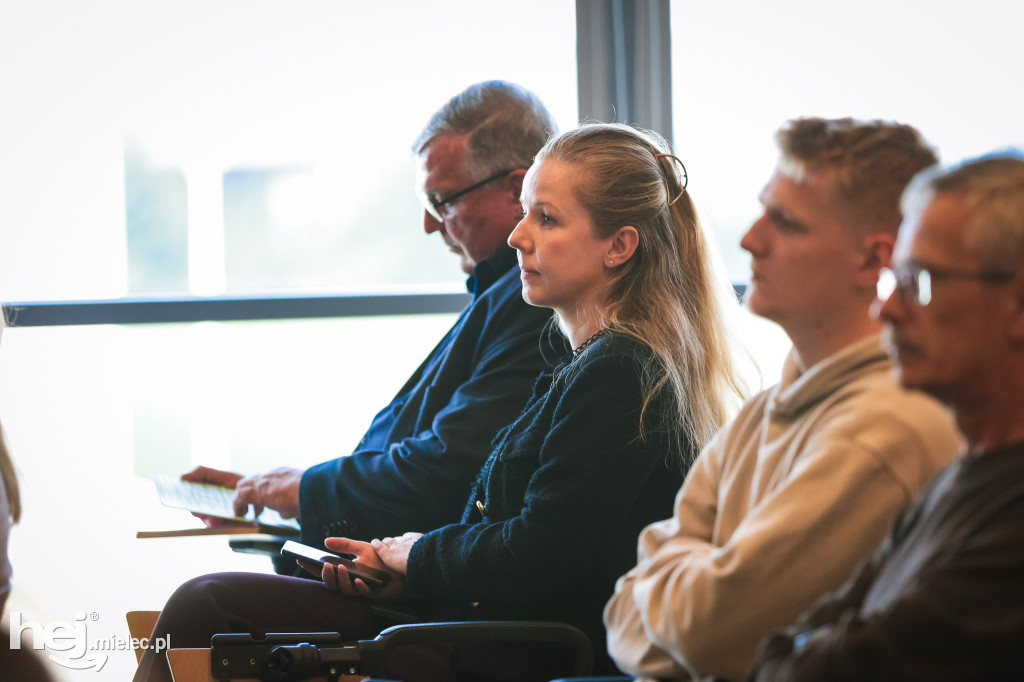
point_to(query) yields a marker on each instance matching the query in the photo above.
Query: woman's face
(562, 261)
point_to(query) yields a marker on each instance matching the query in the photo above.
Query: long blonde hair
(666, 295)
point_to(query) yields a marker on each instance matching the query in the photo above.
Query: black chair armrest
(375, 652)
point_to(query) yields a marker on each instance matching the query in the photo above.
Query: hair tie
(686, 178)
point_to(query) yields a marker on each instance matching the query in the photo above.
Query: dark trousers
(256, 603)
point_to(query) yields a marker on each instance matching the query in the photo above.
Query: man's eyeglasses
(914, 282)
(434, 207)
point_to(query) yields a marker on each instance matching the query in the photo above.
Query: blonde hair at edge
(6, 466)
(665, 295)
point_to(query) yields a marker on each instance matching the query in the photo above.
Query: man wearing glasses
(943, 598)
(807, 479)
(414, 467)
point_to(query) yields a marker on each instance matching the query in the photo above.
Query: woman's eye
(546, 219)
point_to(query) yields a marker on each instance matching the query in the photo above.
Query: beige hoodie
(778, 510)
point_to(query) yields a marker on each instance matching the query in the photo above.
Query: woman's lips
(527, 272)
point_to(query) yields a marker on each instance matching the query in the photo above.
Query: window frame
(624, 73)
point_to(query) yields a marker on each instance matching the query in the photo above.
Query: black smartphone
(373, 578)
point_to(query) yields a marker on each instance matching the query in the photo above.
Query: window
(741, 69)
(203, 148)
(197, 148)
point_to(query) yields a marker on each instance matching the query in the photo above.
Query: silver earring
(611, 262)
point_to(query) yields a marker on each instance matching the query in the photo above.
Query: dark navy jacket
(553, 519)
(413, 469)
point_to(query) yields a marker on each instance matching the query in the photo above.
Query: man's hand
(228, 479)
(277, 489)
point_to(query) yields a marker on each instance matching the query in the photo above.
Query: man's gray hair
(506, 123)
(992, 189)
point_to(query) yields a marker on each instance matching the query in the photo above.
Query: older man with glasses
(413, 468)
(943, 598)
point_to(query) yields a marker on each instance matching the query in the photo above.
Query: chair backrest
(140, 626)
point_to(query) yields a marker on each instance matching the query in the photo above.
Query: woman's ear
(623, 246)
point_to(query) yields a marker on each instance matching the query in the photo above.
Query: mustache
(893, 340)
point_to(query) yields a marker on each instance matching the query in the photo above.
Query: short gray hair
(506, 123)
(992, 189)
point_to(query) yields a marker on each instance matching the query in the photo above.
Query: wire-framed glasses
(914, 281)
(434, 207)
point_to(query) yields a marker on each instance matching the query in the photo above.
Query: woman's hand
(336, 577)
(394, 552)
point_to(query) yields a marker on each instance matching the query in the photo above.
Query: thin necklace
(583, 346)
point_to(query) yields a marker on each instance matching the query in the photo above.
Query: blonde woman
(610, 242)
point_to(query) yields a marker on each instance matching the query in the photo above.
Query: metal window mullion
(624, 57)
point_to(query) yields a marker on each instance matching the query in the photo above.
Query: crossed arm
(960, 617)
(701, 598)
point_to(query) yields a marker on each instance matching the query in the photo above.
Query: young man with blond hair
(943, 598)
(781, 506)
